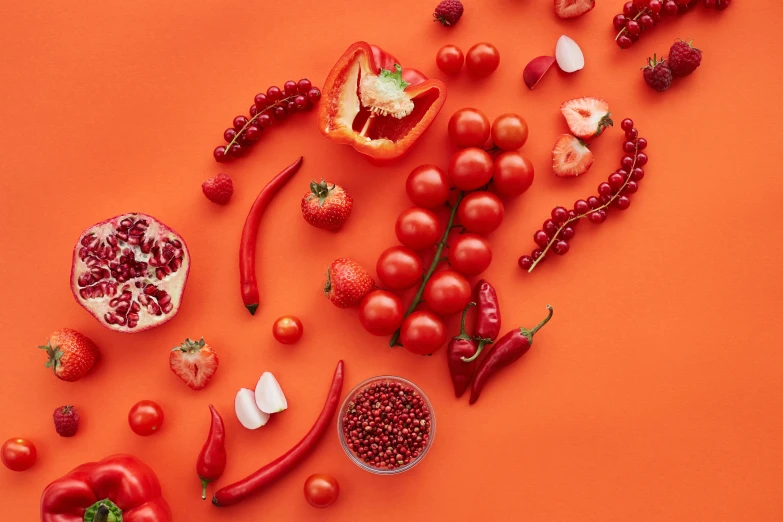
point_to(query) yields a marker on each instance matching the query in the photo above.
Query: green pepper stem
(204, 489)
(462, 333)
(473, 357)
(542, 323)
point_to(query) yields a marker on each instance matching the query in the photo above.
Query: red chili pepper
(461, 347)
(508, 349)
(120, 487)
(212, 460)
(247, 246)
(371, 103)
(487, 327)
(238, 491)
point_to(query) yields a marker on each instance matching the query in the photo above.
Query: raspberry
(448, 12)
(683, 58)
(657, 74)
(66, 421)
(218, 189)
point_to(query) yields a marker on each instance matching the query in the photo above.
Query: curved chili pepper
(212, 460)
(247, 246)
(508, 349)
(238, 491)
(487, 327)
(461, 347)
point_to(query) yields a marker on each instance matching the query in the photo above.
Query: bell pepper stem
(102, 514)
(473, 357)
(542, 323)
(103, 511)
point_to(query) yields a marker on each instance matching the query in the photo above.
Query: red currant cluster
(639, 15)
(275, 104)
(615, 192)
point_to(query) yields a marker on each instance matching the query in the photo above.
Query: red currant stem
(624, 30)
(602, 207)
(435, 261)
(252, 120)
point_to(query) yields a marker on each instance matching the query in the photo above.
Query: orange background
(655, 392)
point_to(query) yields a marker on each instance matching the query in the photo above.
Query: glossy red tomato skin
(18, 454)
(381, 312)
(399, 268)
(428, 186)
(449, 59)
(469, 127)
(509, 131)
(321, 491)
(287, 329)
(470, 168)
(423, 332)
(470, 254)
(447, 292)
(513, 174)
(480, 212)
(418, 228)
(145, 418)
(482, 59)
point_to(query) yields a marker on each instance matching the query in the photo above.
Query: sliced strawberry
(587, 117)
(194, 362)
(573, 8)
(570, 156)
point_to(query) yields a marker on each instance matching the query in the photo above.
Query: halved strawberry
(570, 156)
(587, 117)
(573, 8)
(194, 362)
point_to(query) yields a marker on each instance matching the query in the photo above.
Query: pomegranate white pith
(130, 272)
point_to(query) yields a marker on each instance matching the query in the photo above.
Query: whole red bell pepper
(373, 104)
(120, 488)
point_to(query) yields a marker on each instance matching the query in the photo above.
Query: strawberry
(683, 58)
(570, 156)
(326, 207)
(657, 74)
(66, 421)
(194, 362)
(587, 117)
(347, 282)
(573, 8)
(218, 189)
(448, 12)
(71, 354)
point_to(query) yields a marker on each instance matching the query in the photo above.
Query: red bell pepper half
(120, 488)
(373, 104)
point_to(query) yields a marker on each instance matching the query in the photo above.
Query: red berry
(630, 187)
(536, 253)
(593, 202)
(66, 421)
(670, 8)
(626, 163)
(560, 247)
(624, 42)
(303, 86)
(616, 181)
(260, 100)
(605, 189)
(567, 233)
(626, 124)
(280, 113)
(641, 159)
(631, 134)
(236, 150)
(633, 27)
(541, 238)
(314, 95)
(264, 120)
(273, 94)
(629, 147)
(229, 134)
(720, 5)
(252, 133)
(550, 228)
(448, 12)
(253, 110)
(618, 22)
(646, 21)
(240, 122)
(655, 6)
(683, 58)
(559, 215)
(637, 174)
(218, 189)
(622, 202)
(300, 102)
(290, 88)
(581, 206)
(629, 10)
(641, 144)
(219, 153)
(525, 262)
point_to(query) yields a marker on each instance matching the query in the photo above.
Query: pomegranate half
(130, 272)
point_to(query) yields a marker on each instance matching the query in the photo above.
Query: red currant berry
(616, 181)
(236, 150)
(593, 202)
(646, 21)
(720, 5)
(632, 134)
(550, 228)
(260, 100)
(709, 4)
(239, 122)
(637, 174)
(280, 113)
(626, 163)
(605, 189)
(264, 120)
(629, 147)
(633, 27)
(630, 188)
(220, 154)
(290, 88)
(535, 254)
(622, 202)
(574, 218)
(290, 106)
(303, 86)
(540, 238)
(640, 3)
(595, 217)
(229, 135)
(626, 124)
(641, 159)
(567, 233)
(314, 94)
(670, 8)
(655, 6)
(559, 215)
(252, 133)
(605, 198)
(273, 94)
(300, 102)
(581, 206)
(634, 37)
(525, 262)
(618, 22)
(560, 248)
(683, 2)
(629, 10)
(624, 42)
(253, 110)
(641, 144)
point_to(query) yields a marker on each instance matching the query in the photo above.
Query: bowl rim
(359, 462)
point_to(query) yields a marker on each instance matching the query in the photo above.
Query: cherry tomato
(417, 228)
(482, 59)
(449, 59)
(287, 329)
(509, 131)
(428, 186)
(447, 292)
(469, 254)
(321, 490)
(399, 268)
(480, 212)
(513, 174)
(18, 454)
(470, 168)
(468, 128)
(381, 312)
(422, 332)
(145, 418)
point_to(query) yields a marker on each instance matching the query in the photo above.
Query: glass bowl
(351, 398)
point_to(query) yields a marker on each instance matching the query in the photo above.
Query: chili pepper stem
(435, 260)
(204, 484)
(530, 333)
(252, 308)
(462, 333)
(473, 357)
